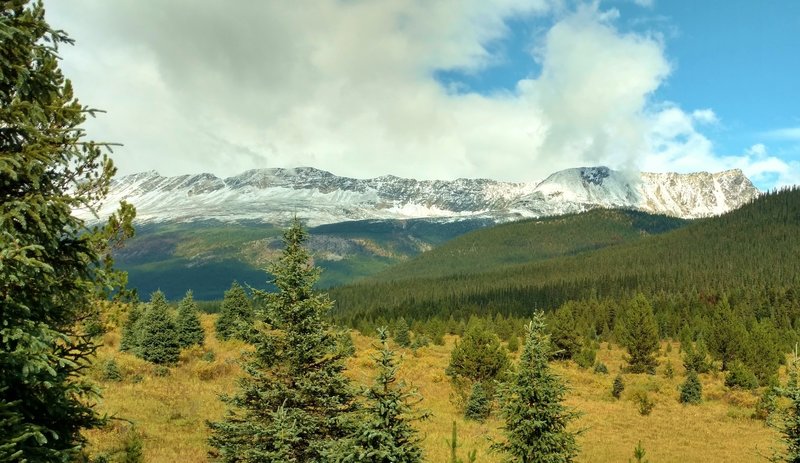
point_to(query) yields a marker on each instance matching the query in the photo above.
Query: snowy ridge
(319, 197)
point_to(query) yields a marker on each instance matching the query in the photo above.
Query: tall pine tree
(190, 331)
(532, 405)
(52, 266)
(294, 402)
(639, 335)
(236, 315)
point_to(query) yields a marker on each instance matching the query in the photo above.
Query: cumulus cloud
(349, 86)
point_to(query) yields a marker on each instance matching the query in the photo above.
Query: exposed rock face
(319, 197)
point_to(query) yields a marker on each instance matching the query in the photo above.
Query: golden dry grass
(171, 411)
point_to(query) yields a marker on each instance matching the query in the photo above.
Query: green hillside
(206, 256)
(751, 252)
(532, 240)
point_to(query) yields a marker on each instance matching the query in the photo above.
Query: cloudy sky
(504, 89)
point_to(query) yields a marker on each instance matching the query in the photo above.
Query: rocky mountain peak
(277, 194)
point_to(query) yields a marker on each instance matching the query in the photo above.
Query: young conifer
(402, 336)
(691, 389)
(294, 403)
(131, 329)
(639, 335)
(236, 315)
(532, 405)
(478, 405)
(190, 331)
(385, 433)
(158, 337)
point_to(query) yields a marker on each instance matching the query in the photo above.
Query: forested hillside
(751, 255)
(206, 256)
(533, 240)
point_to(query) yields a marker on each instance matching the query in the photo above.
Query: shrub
(600, 368)
(585, 358)
(691, 389)
(669, 372)
(644, 403)
(767, 404)
(111, 371)
(740, 377)
(617, 387)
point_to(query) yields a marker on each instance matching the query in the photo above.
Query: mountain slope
(319, 197)
(532, 240)
(206, 256)
(754, 248)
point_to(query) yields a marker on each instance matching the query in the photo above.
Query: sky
(511, 90)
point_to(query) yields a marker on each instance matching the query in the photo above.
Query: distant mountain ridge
(319, 197)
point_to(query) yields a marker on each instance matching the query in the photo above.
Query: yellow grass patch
(171, 411)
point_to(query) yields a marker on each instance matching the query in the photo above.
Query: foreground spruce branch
(53, 269)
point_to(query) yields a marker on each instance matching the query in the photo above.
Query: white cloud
(348, 86)
(789, 133)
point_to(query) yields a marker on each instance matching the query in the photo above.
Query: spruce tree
(639, 335)
(478, 357)
(789, 426)
(190, 331)
(158, 336)
(691, 389)
(564, 333)
(478, 405)
(385, 433)
(402, 336)
(531, 403)
(53, 267)
(294, 402)
(131, 329)
(236, 315)
(727, 334)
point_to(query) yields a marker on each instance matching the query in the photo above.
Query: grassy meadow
(170, 410)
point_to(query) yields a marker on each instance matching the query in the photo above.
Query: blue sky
(739, 58)
(504, 89)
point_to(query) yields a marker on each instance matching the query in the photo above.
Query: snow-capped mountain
(319, 197)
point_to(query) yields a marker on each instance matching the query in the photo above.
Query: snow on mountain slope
(276, 195)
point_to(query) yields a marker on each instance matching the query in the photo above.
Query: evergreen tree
(564, 333)
(131, 329)
(617, 387)
(158, 336)
(639, 335)
(236, 315)
(190, 331)
(294, 402)
(401, 334)
(727, 334)
(53, 267)
(478, 357)
(385, 434)
(790, 424)
(691, 389)
(531, 404)
(478, 405)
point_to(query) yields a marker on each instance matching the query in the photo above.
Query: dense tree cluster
(155, 334)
